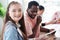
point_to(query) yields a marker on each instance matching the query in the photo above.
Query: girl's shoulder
(10, 27)
(11, 32)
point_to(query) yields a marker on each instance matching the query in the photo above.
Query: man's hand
(39, 19)
(36, 25)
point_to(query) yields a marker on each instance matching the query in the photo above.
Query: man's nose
(35, 13)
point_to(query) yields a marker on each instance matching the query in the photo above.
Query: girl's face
(15, 12)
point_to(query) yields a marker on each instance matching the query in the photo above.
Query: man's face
(32, 12)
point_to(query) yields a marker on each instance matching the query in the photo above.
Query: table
(50, 37)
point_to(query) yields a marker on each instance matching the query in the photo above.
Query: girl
(14, 28)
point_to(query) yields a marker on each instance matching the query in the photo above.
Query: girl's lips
(17, 16)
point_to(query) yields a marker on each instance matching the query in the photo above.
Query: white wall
(1, 24)
(4, 3)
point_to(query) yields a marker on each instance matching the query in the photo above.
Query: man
(32, 21)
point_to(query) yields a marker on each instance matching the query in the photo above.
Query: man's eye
(19, 10)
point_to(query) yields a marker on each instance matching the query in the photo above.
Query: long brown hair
(8, 18)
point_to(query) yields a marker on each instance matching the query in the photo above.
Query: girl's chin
(17, 19)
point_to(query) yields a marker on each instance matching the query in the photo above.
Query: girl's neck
(16, 22)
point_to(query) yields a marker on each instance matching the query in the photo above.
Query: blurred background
(51, 6)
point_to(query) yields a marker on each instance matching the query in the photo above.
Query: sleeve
(11, 33)
(28, 26)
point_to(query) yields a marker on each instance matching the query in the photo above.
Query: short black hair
(31, 3)
(41, 7)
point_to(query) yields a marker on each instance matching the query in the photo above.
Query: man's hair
(31, 3)
(41, 7)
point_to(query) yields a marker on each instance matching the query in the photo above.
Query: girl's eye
(14, 10)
